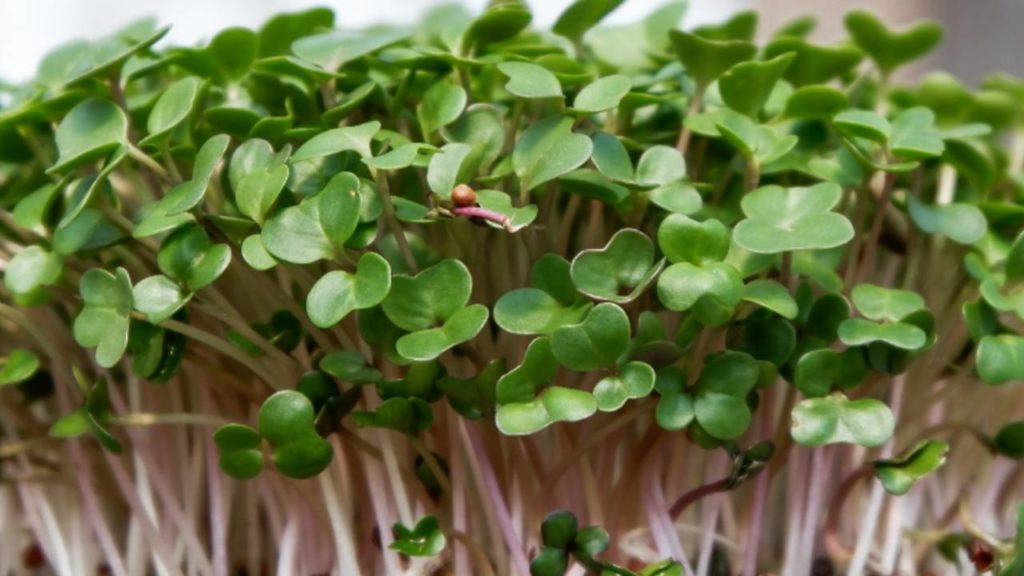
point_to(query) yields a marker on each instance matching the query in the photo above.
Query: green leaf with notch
(104, 320)
(786, 219)
(547, 150)
(834, 419)
(337, 293)
(596, 342)
(620, 271)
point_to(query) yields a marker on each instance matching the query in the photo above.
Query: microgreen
(448, 277)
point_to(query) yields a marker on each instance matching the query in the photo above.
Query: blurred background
(981, 35)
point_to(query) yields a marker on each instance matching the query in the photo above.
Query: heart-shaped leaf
(259, 190)
(620, 271)
(338, 293)
(746, 86)
(581, 16)
(961, 222)
(819, 372)
(761, 144)
(684, 239)
(706, 59)
(547, 150)
(914, 136)
(460, 327)
(857, 332)
(104, 320)
(603, 94)
(430, 298)
(432, 305)
(554, 404)
(90, 131)
(889, 304)
(814, 64)
(675, 407)
(596, 342)
(785, 219)
(286, 420)
(720, 405)
(552, 302)
(899, 474)
(528, 80)
(634, 380)
(424, 539)
(188, 257)
(239, 447)
(887, 48)
(318, 227)
(682, 285)
(833, 419)
(535, 371)
(159, 297)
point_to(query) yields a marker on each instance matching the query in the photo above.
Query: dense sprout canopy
(747, 248)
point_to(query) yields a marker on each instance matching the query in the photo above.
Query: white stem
(344, 551)
(513, 539)
(866, 539)
(289, 546)
(819, 477)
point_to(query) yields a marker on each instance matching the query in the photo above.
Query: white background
(981, 35)
(30, 28)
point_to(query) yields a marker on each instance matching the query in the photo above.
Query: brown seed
(463, 196)
(981, 555)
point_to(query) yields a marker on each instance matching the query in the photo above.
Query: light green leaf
(634, 380)
(603, 94)
(834, 419)
(158, 297)
(785, 219)
(528, 80)
(103, 321)
(620, 271)
(32, 268)
(338, 293)
(356, 138)
(90, 131)
(173, 107)
(547, 150)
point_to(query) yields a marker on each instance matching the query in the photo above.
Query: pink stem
(478, 212)
(512, 538)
